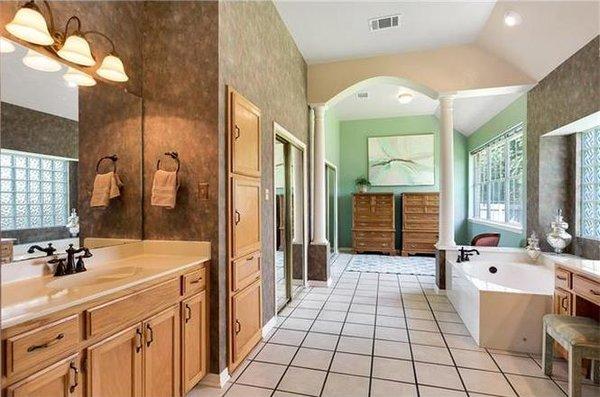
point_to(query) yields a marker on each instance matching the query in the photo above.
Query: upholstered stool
(580, 336)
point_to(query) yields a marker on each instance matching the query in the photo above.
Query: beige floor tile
(279, 393)
(330, 315)
(247, 391)
(309, 314)
(426, 338)
(449, 317)
(304, 381)
(419, 314)
(277, 354)
(360, 308)
(462, 342)
(432, 354)
(438, 375)
(385, 388)
(351, 364)
(527, 386)
(207, 391)
(255, 351)
(392, 349)
(350, 344)
(427, 391)
(360, 330)
(395, 334)
(474, 359)
(320, 341)
(390, 369)
(262, 375)
(361, 318)
(313, 358)
(422, 325)
(389, 321)
(486, 382)
(518, 365)
(338, 385)
(327, 327)
(390, 311)
(288, 337)
(239, 370)
(453, 328)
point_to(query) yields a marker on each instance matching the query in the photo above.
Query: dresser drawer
(375, 224)
(375, 236)
(114, 314)
(430, 226)
(193, 282)
(562, 278)
(245, 271)
(373, 245)
(587, 288)
(416, 237)
(422, 247)
(421, 217)
(46, 343)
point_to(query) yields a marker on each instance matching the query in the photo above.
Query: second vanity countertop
(31, 298)
(586, 267)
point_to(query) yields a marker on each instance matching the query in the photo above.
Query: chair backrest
(486, 240)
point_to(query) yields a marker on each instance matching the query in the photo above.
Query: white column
(319, 176)
(446, 228)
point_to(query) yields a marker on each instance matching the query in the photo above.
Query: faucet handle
(60, 267)
(80, 267)
(86, 253)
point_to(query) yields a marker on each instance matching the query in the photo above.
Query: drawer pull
(564, 303)
(196, 281)
(563, 278)
(238, 217)
(188, 314)
(237, 132)
(138, 340)
(76, 376)
(250, 258)
(238, 327)
(47, 344)
(151, 334)
(594, 292)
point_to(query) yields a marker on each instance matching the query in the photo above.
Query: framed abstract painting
(402, 160)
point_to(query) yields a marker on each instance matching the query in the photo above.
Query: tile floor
(376, 335)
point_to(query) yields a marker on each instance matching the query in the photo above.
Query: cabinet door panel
(194, 341)
(246, 322)
(245, 216)
(245, 136)
(115, 365)
(161, 354)
(62, 379)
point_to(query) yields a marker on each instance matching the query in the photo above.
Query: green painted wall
(332, 139)
(353, 163)
(513, 114)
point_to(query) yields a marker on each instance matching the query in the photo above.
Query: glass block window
(589, 184)
(34, 191)
(497, 179)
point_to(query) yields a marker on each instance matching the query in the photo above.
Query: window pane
(589, 189)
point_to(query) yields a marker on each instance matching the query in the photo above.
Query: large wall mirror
(59, 146)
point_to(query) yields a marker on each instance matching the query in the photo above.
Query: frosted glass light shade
(40, 62)
(112, 69)
(6, 46)
(30, 25)
(405, 98)
(78, 78)
(77, 50)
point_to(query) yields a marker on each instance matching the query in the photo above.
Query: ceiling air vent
(362, 95)
(389, 22)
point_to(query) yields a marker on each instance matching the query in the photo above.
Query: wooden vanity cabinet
(62, 379)
(194, 340)
(247, 320)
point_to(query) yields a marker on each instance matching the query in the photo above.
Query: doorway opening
(331, 208)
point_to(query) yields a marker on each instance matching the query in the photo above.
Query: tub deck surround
(29, 294)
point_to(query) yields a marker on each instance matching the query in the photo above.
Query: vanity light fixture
(405, 98)
(30, 25)
(77, 77)
(40, 62)
(76, 49)
(6, 46)
(112, 69)
(512, 18)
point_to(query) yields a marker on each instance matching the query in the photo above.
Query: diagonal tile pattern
(376, 335)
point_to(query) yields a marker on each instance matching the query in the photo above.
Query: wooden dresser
(373, 223)
(420, 220)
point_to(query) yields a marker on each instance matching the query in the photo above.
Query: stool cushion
(572, 330)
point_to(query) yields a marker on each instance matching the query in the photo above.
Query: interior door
(161, 354)
(245, 136)
(59, 380)
(193, 348)
(246, 320)
(115, 365)
(245, 216)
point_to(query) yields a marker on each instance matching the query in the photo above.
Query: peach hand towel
(106, 187)
(164, 189)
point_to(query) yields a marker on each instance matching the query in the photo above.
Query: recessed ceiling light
(512, 18)
(405, 98)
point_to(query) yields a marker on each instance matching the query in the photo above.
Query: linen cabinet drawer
(37, 346)
(368, 235)
(587, 288)
(193, 282)
(408, 246)
(421, 217)
(421, 226)
(119, 312)
(562, 278)
(375, 224)
(374, 244)
(416, 237)
(245, 271)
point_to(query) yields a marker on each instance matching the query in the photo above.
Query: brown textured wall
(110, 122)
(180, 50)
(259, 59)
(567, 94)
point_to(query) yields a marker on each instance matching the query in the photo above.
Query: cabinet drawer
(408, 246)
(562, 278)
(110, 316)
(374, 245)
(415, 237)
(41, 344)
(421, 217)
(376, 224)
(421, 226)
(245, 271)
(193, 282)
(587, 288)
(368, 235)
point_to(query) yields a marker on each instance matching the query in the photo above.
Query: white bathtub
(501, 310)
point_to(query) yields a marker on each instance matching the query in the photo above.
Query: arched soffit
(400, 82)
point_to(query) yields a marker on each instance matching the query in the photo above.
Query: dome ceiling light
(29, 24)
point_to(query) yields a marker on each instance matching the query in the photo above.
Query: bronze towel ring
(174, 156)
(113, 158)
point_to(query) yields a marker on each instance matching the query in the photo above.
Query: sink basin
(94, 277)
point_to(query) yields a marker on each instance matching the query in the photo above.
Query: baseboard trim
(319, 283)
(269, 326)
(216, 380)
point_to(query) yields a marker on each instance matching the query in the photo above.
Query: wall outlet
(267, 194)
(203, 191)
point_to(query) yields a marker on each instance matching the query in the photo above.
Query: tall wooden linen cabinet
(244, 234)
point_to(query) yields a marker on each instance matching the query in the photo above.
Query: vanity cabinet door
(194, 340)
(246, 320)
(62, 379)
(245, 216)
(161, 354)
(114, 365)
(244, 136)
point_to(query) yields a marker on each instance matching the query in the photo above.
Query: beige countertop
(31, 298)
(587, 267)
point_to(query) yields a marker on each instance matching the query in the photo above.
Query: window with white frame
(497, 179)
(589, 184)
(34, 190)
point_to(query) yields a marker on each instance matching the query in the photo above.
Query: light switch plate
(203, 191)
(267, 194)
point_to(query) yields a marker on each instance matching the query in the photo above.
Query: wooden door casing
(245, 216)
(62, 379)
(244, 136)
